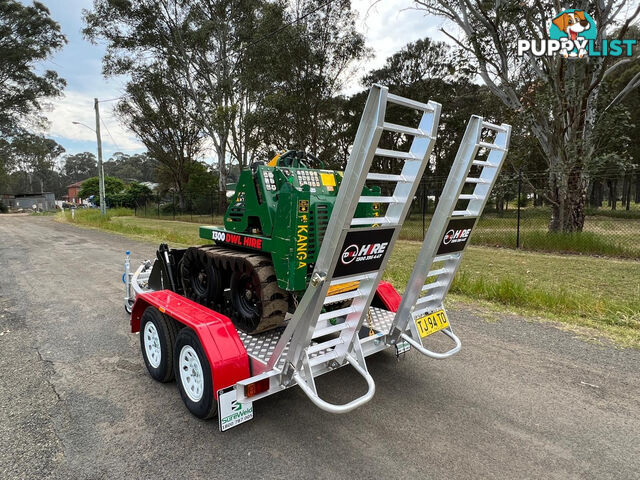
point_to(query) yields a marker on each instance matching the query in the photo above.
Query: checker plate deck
(262, 346)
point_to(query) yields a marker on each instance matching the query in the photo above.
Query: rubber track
(274, 299)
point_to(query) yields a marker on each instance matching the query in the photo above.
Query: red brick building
(72, 192)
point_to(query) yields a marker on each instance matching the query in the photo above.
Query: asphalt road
(521, 400)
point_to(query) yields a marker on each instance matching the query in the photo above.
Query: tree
(27, 35)
(159, 116)
(79, 166)
(139, 167)
(228, 56)
(308, 72)
(557, 97)
(91, 187)
(35, 155)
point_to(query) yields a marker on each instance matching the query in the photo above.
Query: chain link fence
(518, 218)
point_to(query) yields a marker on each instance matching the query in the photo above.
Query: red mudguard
(226, 353)
(389, 296)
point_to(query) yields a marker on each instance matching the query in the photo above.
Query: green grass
(602, 294)
(122, 221)
(609, 235)
(599, 293)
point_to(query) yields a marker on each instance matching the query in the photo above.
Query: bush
(3, 208)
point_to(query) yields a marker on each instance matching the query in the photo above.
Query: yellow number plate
(432, 323)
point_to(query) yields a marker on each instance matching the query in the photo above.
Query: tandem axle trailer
(221, 370)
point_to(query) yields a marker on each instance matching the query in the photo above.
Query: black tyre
(246, 293)
(157, 337)
(193, 375)
(201, 280)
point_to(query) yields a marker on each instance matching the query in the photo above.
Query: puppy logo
(576, 26)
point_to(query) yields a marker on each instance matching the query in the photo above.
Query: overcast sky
(388, 25)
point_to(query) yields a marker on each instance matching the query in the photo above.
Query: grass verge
(601, 294)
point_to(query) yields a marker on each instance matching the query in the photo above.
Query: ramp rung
(318, 347)
(385, 177)
(420, 312)
(372, 221)
(331, 329)
(341, 312)
(353, 278)
(323, 358)
(383, 152)
(341, 297)
(439, 271)
(462, 213)
(406, 102)
(433, 286)
(493, 126)
(393, 127)
(481, 163)
(470, 197)
(477, 180)
(427, 299)
(375, 199)
(490, 146)
(446, 257)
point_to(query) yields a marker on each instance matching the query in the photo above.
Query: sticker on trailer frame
(363, 251)
(456, 235)
(231, 412)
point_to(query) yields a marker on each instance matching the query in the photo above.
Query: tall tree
(28, 35)
(557, 97)
(35, 155)
(159, 116)
(79, 166)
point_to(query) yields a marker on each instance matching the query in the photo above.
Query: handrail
(347, 407)
(429, 353)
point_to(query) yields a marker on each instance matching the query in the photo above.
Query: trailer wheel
(193, 375)
(157, 337)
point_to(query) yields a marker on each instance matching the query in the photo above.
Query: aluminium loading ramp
(357, 250)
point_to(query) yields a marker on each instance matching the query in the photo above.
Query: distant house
(7, 200)
(72, 192)
(35, 201)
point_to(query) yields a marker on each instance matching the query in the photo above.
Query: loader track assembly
(241, 284)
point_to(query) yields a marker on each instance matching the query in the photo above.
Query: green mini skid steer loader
(262, 260)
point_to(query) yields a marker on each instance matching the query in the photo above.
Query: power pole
(103, 206)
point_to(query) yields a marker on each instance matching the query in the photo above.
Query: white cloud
(78, 107)
(388, 25)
